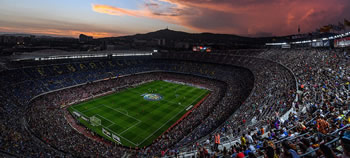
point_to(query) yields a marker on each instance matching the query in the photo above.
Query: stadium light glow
(275, 44)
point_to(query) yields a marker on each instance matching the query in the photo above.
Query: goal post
(95, 121)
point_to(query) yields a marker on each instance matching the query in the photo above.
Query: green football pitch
(134, 117)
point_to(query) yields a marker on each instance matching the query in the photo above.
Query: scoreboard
(201, 49)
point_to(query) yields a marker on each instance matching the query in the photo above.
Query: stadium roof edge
(74, 55)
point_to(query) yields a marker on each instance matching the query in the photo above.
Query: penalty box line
(170, 119)
(79, 112)
(115, 132)
(121, 112)
(138, 121)
(94, 107)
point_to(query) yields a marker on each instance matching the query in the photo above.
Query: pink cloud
(114, 10)
(243, 17)
(57, 32)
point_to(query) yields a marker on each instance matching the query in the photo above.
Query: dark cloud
(257, 16)
(161, 10)
(243, 17)
(214, 21)
(153, 5)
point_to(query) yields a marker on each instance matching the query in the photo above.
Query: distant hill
(171, 35)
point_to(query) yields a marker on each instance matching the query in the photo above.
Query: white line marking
(121, 112)
(168, 120)
(92, 108)
(178, 103)
(131, 90)
(130, 127)
(114, 132)
(139, 121)
(137, 92)
(105, 118)
(121, 136)
(80, 112)
(109, 126)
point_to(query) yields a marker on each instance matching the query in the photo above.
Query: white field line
(136, 92)
(109, 126)
(120, 109)
(168, 121)
(121, 136)
(114, 132)
(92, 108)
(130, 127)
(94, 98)
(177, 103)
(133, 89)
(138, 121)
(105, 119)
(79, 112)
(122, 112)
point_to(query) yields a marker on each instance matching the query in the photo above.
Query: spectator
(327, 152)
(288, 151)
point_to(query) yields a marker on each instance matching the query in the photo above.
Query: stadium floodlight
(95, 121)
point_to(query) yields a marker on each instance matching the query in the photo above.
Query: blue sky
(103, 18)
(68, 17)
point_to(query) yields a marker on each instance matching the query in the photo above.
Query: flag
(326, 28)
(346, 23)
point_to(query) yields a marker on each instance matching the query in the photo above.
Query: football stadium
(121, 117)
(237, 79)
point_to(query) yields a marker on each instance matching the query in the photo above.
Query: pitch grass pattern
(152, 97)
(136, 121)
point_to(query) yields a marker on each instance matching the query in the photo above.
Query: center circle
(152, 97)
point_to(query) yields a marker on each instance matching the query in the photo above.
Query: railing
(290, 71)
(328, 143)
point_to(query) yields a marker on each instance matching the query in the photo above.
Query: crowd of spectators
(271, 103)
(47, 120)
(47, 125)
(315, 126)
(273, 93)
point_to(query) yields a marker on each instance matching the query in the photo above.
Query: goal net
(95, 121)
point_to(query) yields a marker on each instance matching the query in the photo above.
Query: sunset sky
(104, 18)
